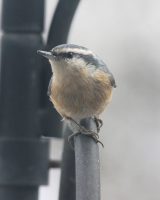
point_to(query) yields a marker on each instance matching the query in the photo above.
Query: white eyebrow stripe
(75, 50)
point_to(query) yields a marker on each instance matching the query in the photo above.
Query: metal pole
(61, 22)
(67, 184)
(87, 165)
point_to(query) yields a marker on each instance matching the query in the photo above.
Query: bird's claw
(70, 138)
(86, 132)
(89, 133)
(95, 137)
(99, 123)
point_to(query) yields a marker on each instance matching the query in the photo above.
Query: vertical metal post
(23, 155)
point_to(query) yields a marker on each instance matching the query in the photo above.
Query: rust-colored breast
(81, 94)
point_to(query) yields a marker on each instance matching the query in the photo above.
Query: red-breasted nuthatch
(81, 85)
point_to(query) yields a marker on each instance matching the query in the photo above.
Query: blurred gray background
(126, 34)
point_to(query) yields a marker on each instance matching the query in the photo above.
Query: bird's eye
(69, 55)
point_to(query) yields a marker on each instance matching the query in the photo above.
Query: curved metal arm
(61, 22)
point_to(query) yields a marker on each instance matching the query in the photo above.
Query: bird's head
(69, 57)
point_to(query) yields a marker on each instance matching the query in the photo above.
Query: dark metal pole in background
(61, 22)
(23, 155)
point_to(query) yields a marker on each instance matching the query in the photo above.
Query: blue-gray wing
(99, 64)
(111, 77)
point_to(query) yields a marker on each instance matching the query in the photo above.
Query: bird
(81, 86)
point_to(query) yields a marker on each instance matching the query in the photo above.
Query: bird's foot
(71, 137)
(83, 130)
(99, 123)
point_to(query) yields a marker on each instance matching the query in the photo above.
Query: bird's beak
(46, 54)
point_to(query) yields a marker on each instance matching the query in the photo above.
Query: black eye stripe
(88, 58)
(53, 53)
(68, 55)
